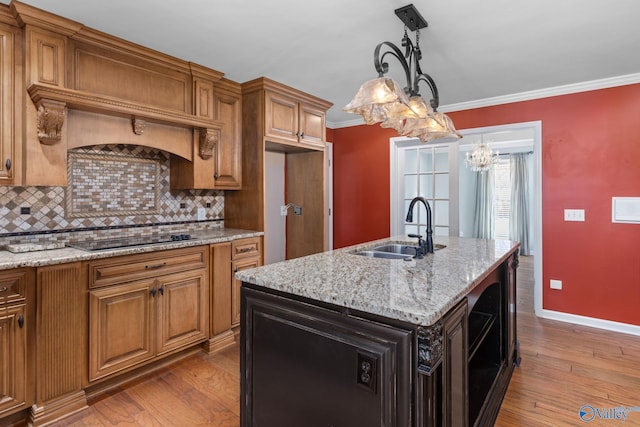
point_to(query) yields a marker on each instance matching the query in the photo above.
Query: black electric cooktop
(125, 242)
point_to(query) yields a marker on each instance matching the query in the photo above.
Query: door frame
(396, 208)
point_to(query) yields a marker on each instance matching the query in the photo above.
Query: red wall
(590, 153)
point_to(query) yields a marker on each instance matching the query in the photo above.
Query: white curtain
(483, 219)
(519, 220)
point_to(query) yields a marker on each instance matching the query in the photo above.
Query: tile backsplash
(109, 187)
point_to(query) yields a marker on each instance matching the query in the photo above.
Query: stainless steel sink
(387, 255)
(397, 248)
(394, 251)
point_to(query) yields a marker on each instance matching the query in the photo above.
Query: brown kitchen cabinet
(10, 87)
(272, 114)
(143, 307)
(60, 344)
(16, 331)
(292, 121)
(226, 259)
(221, 169)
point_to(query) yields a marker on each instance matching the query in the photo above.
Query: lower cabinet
(16, 367)
(138, 321)
(227, 259)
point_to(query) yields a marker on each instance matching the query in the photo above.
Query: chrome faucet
(427, 247)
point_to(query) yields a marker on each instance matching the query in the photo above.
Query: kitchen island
(341, 339)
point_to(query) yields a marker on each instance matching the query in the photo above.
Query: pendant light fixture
(383, 101)
(481, 158)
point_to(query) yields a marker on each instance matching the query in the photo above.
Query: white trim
(591, 322)
(329, 193)
(522, 96)
(544, 93)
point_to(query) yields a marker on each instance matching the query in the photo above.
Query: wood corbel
(51, 115)
(208, 140)
(139, 125)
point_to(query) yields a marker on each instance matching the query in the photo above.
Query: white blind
(502, 197)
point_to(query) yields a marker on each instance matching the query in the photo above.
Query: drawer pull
(245, 250)
(155, 266)
(21, 321)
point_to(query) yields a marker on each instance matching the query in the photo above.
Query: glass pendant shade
(383, 101)
(376, 98)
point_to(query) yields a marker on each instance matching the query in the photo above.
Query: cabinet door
(454, 365)
(121, 327)
(182, 310)
(236, 284)
(13, 364)
(312, 126)
(281, 117)
(228, 156)
(7, 107)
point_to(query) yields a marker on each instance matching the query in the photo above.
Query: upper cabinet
(10, 83)
(218, 164)
(78, 87)
(291, 117)
(293, 121)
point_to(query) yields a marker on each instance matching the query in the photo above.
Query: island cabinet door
(454, 367)
(308, 366)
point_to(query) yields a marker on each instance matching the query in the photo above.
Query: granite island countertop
(39, 258)
(417, 291)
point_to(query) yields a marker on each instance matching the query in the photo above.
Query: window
(502, 198)
(426, 174)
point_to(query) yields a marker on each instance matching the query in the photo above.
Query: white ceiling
(473, 49)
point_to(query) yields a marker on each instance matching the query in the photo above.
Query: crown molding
(523, 96)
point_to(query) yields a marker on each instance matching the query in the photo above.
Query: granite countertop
(58, 256)
(418, 291)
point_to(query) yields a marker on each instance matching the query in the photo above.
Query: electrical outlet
(183, 205)
(555, 284)
(297, 210)
(25, 210)
(202, 214)
(283, 210)
(574, 215)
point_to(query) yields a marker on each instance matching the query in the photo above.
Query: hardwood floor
(564, 367)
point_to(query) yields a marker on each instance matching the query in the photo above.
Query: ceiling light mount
(411, 17)
(382, 101)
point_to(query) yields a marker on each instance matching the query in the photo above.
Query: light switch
(555, 284)
(574, 214)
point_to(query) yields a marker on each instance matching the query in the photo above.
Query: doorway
(460, 214)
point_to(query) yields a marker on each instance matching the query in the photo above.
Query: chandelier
(381, 100)
(481, 158)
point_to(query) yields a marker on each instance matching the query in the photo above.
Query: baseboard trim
(592, 322)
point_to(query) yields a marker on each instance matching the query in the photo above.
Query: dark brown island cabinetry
(312, 363)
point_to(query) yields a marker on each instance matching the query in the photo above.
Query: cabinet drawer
(245, 248)
(13, 286)
(133, 267)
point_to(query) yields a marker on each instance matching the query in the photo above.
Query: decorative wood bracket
(139, 125)
(208, 140)
(51, 115)
(429, 348)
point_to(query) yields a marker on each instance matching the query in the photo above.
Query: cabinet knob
(21, 321)
(153, 291)
(215, 175)
(298, 134)
(302, 135)
(161, 290)
(7, 164)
